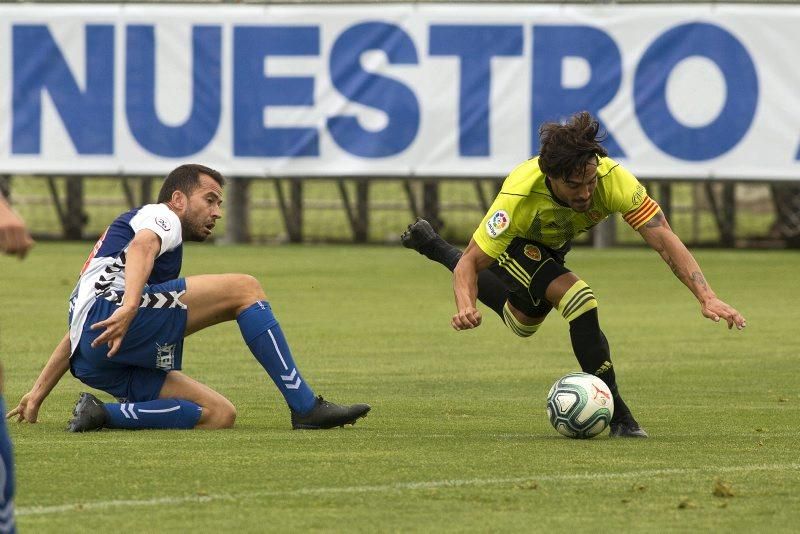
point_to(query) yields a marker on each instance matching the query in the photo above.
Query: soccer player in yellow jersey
(514, 262)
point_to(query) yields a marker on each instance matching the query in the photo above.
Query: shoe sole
(350, 422)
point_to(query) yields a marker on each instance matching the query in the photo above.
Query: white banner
(685, 91)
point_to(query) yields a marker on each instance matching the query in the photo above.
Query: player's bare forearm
(139, 260)
(14, 236)
(658, 234)
(465, 286)
(54, 369)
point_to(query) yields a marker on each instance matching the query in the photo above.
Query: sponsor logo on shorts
(165, 356)
(498, 223)
(595, 215)
(533, 252)
(163, 223)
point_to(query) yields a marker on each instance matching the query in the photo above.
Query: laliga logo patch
(162, 222)
(498, 223)
(595, 215)
(533, 252)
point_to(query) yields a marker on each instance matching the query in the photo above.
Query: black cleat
(88, 414)
(326, 414)
(627, 427)
(419, 233)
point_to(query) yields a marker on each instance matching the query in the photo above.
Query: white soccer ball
(580, 405)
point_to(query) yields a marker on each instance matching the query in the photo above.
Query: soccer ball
(580, 405)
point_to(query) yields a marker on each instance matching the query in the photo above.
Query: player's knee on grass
(515, 325)
(218, 415)
(577, 300)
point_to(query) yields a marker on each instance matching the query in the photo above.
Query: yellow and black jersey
(527, 208)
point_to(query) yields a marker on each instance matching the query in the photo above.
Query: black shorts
(527, 268)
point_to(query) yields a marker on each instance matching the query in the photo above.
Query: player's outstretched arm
(465, 286)
(658, 234)
(14, 236)
(54, 369)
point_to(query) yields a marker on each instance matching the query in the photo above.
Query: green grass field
(458, 438)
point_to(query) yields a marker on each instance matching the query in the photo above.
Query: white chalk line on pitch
(401, 486)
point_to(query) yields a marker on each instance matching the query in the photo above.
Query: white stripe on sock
(165, 410)
(275, 344)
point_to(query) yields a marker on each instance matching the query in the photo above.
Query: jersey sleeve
(161, 220)
(630, 198)
(501, 224)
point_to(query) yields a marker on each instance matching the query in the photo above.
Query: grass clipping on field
(722, 489)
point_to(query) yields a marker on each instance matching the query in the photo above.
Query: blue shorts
(151, 348)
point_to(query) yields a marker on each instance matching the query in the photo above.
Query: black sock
(491, 291)
(594, 356)
(440, 251)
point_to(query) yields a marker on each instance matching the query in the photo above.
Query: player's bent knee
(578, 300)
(515, 325)
(218, 415)
(247, 290)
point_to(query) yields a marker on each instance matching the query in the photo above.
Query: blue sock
(264, 336)
(159, 413)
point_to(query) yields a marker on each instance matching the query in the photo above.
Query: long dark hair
(567, 148)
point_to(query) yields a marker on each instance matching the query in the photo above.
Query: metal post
(361, 226)
(237, 226)
(729, 214)
(146, 190)
(604, 235)
(430, 203)
(74, 216)
(5, 186)
(665, 198)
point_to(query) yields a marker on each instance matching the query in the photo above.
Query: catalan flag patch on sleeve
(638, 216)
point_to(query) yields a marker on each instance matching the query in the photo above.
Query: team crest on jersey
(498, 223)
(638, 195)
(595, 215)
(533, 252)
(163, 223)
(165, 356)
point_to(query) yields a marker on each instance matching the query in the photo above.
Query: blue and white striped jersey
(104, 271)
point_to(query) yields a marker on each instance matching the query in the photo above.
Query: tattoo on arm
(657, 220)
(673, 266)
(697, 277)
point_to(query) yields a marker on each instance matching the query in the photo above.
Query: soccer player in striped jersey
(131, 310)
(514, 262)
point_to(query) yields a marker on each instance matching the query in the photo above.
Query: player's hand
(14, 236)
(26, 410)
(116, 326)
(466, 318)
(715, 310)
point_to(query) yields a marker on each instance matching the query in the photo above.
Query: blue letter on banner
(39, 66)
(140, 92)
(253, 90)
(475, 45)
(649, 90)
(373, 90)
(551, 100)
